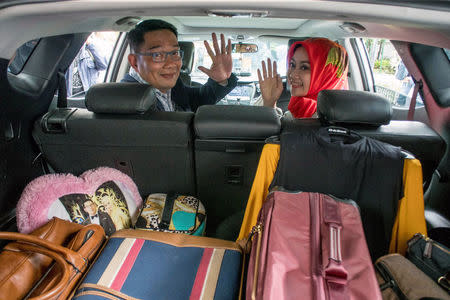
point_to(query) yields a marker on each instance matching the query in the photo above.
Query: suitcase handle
(335, 242)
(335, 273)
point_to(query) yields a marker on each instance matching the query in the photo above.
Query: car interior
(212, 153)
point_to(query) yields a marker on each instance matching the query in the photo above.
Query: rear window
(21, 56)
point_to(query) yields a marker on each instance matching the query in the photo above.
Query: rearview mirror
(244, 48)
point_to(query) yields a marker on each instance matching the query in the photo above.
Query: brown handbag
(27, 264)
(401, 279)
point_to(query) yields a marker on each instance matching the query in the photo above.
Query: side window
(90, 64)
(447, 52)
(21, 56)
(392, 79)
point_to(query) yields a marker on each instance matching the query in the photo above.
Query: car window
(245, 67)
(90, 64)
(21, 56)
(244, 64)
(392, 79)
(447, 52)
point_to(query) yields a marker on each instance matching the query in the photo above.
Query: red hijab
(329, 66)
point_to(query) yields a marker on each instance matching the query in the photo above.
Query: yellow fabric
(264, 174)
(410, 215)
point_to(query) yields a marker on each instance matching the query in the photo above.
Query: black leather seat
(119, 129)
(229, 140)
(188, 61)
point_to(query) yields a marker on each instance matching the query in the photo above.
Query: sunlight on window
(90, 64)
(245, 65)
(392, 79)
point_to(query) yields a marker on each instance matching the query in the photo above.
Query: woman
(116, 209)
(313, 65)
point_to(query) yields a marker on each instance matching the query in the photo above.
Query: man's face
(161, 75)
(90, 207)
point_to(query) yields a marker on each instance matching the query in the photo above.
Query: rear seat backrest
(349, 109)
(120, 131)
(367, 114)
(229, 141)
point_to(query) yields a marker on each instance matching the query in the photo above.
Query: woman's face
(299, 73)
(106, 203)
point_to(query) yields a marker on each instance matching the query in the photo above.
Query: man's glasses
(162, 56)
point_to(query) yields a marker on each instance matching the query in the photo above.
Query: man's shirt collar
(165, 99)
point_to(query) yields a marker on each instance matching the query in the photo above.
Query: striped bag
(138, 264)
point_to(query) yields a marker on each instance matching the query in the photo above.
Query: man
(83, 72)
(407, 83)
(98, 217)
(156, 59)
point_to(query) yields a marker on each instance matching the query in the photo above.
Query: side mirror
(244, 48)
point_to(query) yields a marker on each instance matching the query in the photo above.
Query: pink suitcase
(310, 246)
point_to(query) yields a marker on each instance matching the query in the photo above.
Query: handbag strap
(166, 215)
(335, 273)
(444, 282)
(64, 266)
(73, 258)
(92, 289)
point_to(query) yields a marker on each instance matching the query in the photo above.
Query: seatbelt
(62, 90)
(61, 103)
(412, 105)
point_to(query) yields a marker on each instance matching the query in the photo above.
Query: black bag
(431, 257)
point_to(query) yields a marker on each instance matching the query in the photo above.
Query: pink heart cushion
(102, 196)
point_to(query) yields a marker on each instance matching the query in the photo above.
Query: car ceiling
(22, 21)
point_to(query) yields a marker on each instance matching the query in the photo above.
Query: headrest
(120, 98)
(188, 58)
(356, 107)
(236, 122)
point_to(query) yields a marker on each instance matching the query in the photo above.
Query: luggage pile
(334, 220)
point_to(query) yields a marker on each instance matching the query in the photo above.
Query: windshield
(245, 65)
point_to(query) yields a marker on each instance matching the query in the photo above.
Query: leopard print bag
(173, 213)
